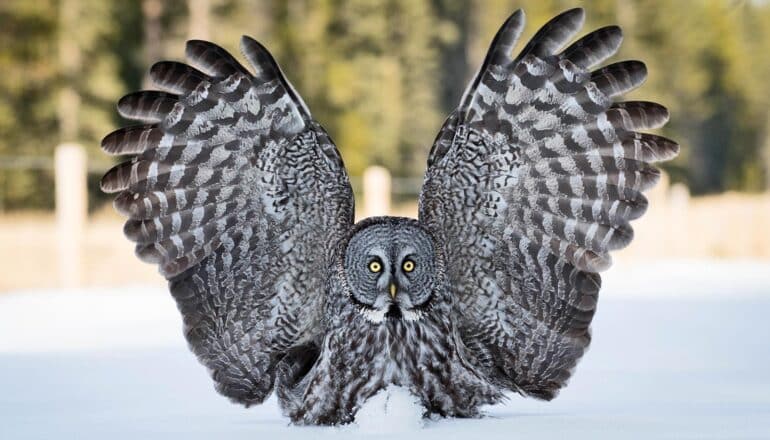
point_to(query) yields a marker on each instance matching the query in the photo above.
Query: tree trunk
(152, 10)
(70, 62)
(199, 11)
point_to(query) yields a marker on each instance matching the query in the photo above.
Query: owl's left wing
(531, 183)
(238, 195)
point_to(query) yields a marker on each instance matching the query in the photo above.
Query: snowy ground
(681, 350)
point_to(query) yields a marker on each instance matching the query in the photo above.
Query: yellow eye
(408, 266)
(375, 266)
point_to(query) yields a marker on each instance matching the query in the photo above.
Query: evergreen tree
(379, 74)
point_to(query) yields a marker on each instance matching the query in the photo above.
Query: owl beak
(392, 290)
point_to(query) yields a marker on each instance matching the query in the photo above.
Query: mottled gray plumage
(243, 201)
(407, 339)
(532, 181)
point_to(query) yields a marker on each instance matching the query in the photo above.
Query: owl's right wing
(531, 183)
(238, 195)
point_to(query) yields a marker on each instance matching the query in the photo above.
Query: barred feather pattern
(357, 357)
(532, 181)
(236, 193)
(243, 201)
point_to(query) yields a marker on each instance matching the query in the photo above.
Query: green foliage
(28, 81)
(35, 75)
(380, 74)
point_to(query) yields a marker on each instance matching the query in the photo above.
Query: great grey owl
(243, 201)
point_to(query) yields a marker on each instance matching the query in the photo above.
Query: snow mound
(392, 410)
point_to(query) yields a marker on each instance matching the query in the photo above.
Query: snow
(394, 403)
(680, 350)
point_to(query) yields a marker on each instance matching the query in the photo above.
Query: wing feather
(237, 194)
(532, 182)
(594, 48)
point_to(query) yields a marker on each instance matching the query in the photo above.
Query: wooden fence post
(678, 221)
(70, 169)
(377, 189)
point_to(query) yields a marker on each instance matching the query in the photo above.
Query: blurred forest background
(380, 75)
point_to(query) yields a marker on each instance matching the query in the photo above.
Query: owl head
(391, 269)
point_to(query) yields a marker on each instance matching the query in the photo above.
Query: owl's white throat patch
(377, 316)
(373, 315)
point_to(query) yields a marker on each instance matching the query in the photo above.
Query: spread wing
(237, 194)
(532, 182)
